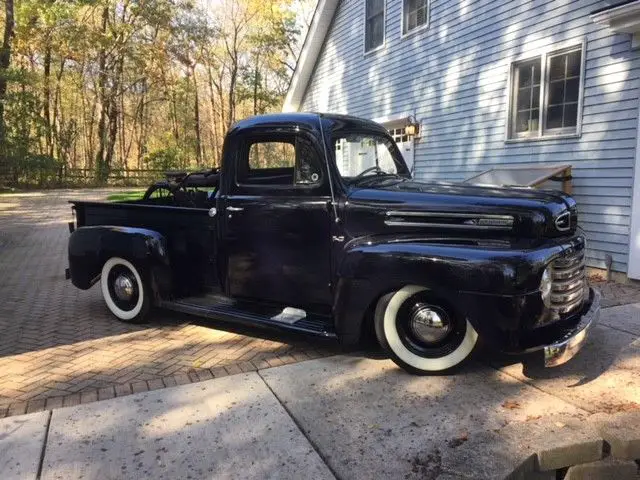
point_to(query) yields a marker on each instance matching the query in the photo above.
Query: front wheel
(421, 334)
(124, 291)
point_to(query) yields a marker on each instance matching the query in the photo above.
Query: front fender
(90, 247)
(457, 271)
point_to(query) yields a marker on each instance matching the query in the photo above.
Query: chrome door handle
(234, 209)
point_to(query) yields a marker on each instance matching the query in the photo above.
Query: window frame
(384, 29)
(356, 131)
(423, 27)
(542, 133)
(279, 137)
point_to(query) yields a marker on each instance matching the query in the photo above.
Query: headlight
(545, 286)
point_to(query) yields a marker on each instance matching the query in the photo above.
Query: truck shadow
(607, 349)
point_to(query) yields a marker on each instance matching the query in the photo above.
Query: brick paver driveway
(60, 346)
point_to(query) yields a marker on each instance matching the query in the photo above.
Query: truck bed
(190, 234)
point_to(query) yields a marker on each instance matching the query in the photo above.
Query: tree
(100, 87)
(5, 63)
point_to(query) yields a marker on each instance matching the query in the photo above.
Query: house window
(374, 24)
(527, 114)
(564, 90)
(404, 141)
(399, 134)
(414, 14)
(545, 95)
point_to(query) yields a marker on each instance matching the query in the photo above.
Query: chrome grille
(569, 288)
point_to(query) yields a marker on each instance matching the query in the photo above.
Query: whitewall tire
(124, 290)
(420, 335)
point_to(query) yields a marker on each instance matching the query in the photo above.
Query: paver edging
(120, 390)
(194, 375)
(571, 447)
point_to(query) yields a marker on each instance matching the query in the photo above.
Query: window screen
(415, 14)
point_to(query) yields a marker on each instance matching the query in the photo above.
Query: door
(405, 144)
(278, 221)
(633, 267)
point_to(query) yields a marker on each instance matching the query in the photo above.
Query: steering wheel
(375, 168)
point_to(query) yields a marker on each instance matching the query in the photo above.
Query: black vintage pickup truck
(314, 224)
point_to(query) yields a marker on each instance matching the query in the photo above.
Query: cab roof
(308, 120)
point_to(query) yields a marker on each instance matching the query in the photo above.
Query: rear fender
(91, 247)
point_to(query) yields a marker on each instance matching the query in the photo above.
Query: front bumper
(573, 340)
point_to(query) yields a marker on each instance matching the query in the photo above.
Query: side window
(266, 155)
(281, 163)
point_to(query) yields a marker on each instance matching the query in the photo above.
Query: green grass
(125, 196)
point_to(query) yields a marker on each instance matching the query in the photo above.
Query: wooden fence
(79, 177)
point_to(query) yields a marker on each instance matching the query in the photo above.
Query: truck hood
(436, 207)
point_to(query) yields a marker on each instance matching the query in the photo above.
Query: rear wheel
(421, 334)
(124, 290)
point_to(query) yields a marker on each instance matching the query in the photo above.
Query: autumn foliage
(104, 87)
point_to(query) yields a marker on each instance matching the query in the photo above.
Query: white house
(494, 82)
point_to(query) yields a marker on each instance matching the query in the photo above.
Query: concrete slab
(607, 469)
(231, 427)
(369, 419)
(488, 455)
(603, 377)
(512, 452)
(621, 431)
(558, 441)
(21, 442)
(624, 317)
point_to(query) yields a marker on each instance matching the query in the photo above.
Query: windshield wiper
(375, 177)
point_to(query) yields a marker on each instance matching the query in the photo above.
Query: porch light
(412, 128)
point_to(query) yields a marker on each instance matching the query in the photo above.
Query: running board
(225, 310)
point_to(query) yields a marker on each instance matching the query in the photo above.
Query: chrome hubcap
(429, 324)
(123, 287)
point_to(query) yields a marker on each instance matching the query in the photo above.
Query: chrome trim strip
(479, 217)
(569, 261)
(399, 213)
(566, 285)
(398, 223)
(562, 299)
(569, 306)
(567, 274)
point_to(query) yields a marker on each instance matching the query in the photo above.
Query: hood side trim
(459, 221)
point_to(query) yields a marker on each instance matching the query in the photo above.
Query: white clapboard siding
(453, 77)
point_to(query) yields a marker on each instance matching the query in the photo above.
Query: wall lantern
(412, 128)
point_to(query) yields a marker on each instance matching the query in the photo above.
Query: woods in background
(107, 86)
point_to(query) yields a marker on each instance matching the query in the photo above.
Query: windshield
(360, 155)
